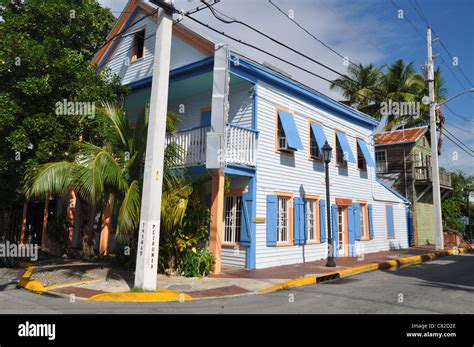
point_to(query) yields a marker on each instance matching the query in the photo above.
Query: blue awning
(289, 127)
(365, 152)
(345, 146)
(318, 135)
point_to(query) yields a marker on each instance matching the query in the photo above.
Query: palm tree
(111, 174)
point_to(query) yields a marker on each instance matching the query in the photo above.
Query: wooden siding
(295, 173)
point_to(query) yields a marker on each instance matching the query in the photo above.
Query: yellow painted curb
(161, 296)
(386, 265)
(37, 286)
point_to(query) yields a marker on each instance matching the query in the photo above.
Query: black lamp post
(466, 194)
(327, 159)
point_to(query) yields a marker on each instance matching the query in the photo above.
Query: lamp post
(466, 194)
(327, 159)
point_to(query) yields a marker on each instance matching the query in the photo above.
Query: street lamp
(327, 159)
(466, 194)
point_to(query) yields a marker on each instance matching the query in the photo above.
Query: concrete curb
(166, 295)
(386, 265)
(38, 287)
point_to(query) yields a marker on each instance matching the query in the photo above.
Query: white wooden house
(275, 211)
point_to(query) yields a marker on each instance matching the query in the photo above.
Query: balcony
(241, 146)
(423, 174)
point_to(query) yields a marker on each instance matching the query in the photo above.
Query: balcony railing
(241, 145)
(423, 174)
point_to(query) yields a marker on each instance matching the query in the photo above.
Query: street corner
(161, 295)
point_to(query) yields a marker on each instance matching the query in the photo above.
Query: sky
(364, 31)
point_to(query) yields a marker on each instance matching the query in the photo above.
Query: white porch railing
(241, 146)
(192, 144)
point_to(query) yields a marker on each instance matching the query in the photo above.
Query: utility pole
(439, 237)
(149, 228)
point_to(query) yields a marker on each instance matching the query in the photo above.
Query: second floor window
(138, 45)
(381, 161)
(361, 163)
(340, 160)
(313, 147)
(282, 142)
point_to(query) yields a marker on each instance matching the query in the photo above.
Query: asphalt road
(445, 285)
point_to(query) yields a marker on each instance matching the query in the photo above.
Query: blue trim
(345, 146)
(187, 71)
(291, 132)
(196, 170)
(239, 170)
(118, 39)
(365, 151)
(255, 108)
(393, 191)
(253, 72)
(251, 254)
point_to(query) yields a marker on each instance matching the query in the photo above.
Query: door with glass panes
(342, 231)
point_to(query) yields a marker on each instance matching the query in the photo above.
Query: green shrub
(197, 263)
(57, 235)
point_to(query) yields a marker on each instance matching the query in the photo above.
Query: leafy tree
(45, 58)
(454, 206)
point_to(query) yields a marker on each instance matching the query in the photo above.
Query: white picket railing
(241, 146)
(192, 146)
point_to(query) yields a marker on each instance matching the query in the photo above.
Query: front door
(342, 232)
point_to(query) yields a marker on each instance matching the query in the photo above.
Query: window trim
(364, 206)
(310, 134)
(317, 222)
(277, 122)
(134, 58)
(232, 192)
(345, 163)
(290, 196)
(360, 153)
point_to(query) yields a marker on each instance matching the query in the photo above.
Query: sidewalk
(105, 281)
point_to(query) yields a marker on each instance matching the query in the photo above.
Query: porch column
(23, 223)
(71, 214)
(105, 230)
(45, 222)
(217, 216)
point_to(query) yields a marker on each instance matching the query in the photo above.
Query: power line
(462, 148)
(458, 115)
(462, 143)
(466, 131)
(310, 34)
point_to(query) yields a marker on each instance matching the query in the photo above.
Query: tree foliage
(45, 58)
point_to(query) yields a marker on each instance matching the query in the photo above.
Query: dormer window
(138, 45)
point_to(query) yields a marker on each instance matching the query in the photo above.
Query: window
(138, 45)
(314, 151)
(283, 220)
(381, 161)
(341, 227)
(339, 154)
(364, 233)
(282, 143)
(232, 218)
(361, 163)
(311, 218)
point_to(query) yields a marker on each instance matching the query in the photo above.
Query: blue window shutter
(334, 227)
(350, 231)
(371, 224)
(272, 220)
(291, 132)
(366, 152)
(206, 118)
(247, 220)
(390, 226)
(318, 134)
(299, 221)
(322, 220)
(357, 221)
(345, 146)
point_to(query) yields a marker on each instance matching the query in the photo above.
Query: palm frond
(48, 179)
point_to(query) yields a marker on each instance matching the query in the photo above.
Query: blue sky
(366, 31)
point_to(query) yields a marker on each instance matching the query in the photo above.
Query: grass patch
(140, 290)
